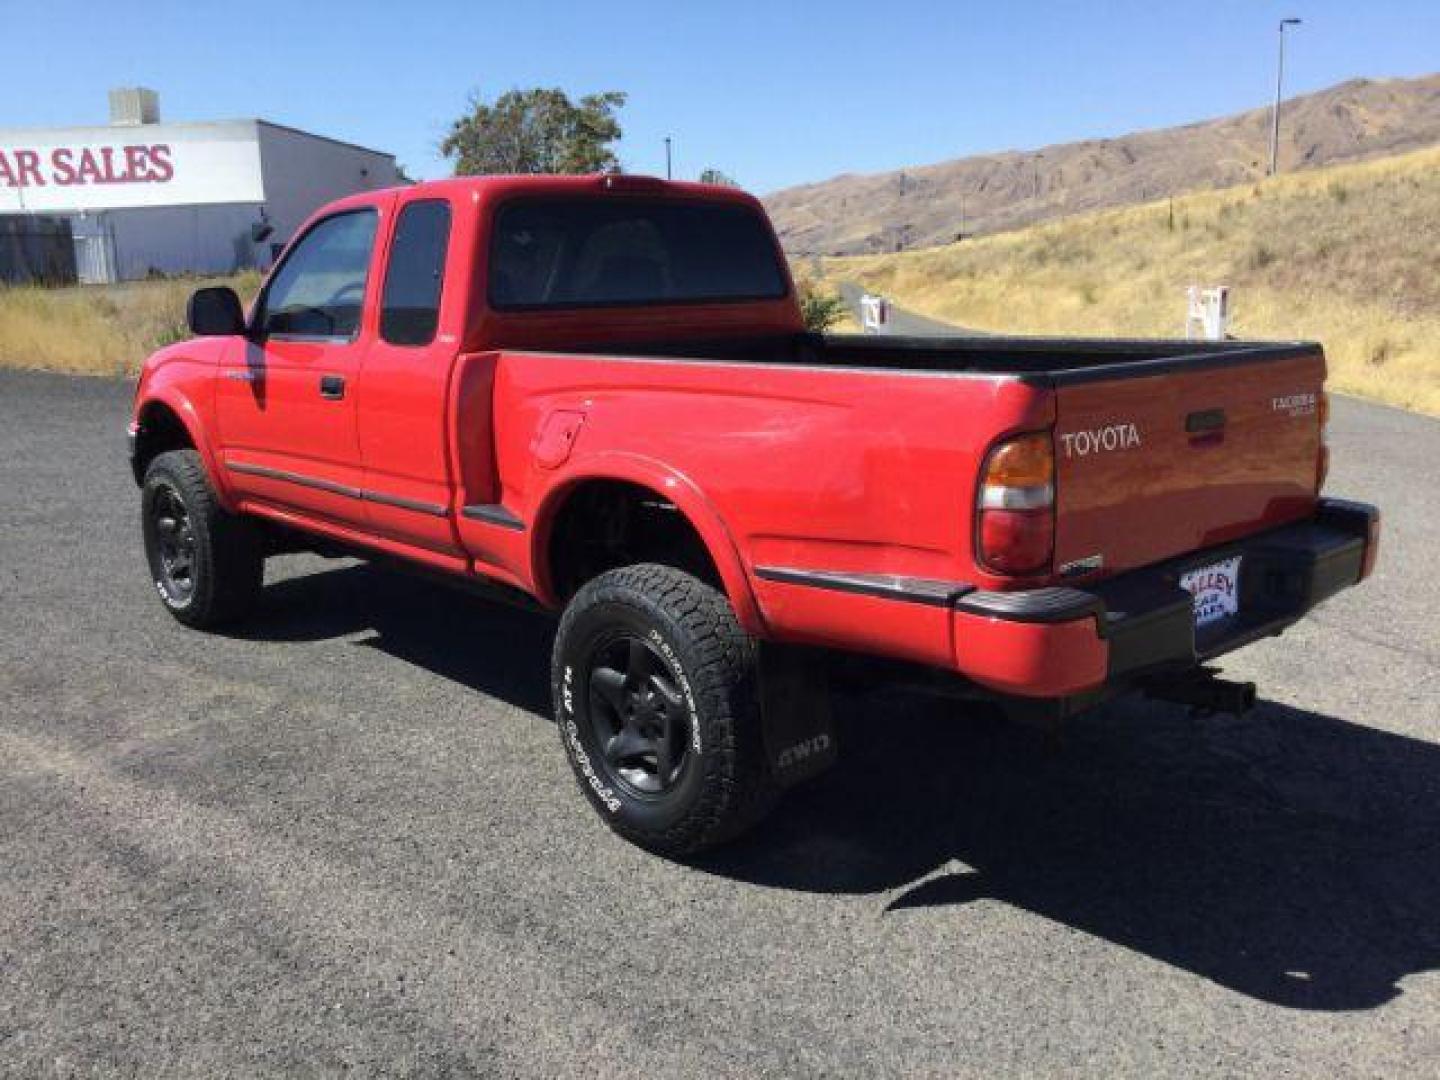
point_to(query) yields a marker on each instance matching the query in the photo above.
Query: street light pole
(667, 158)
(1275, 112)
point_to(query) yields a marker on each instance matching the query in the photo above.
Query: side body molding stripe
(493, 514)
(886, 586)
(415, 505)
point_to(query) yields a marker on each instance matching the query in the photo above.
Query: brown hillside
(1347, 255)
(925, 206)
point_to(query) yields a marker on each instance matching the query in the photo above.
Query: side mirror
(215, 312)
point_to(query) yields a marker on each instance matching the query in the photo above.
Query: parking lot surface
(345, 839)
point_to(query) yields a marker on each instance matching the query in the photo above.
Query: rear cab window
(600, 252)
(410, 303)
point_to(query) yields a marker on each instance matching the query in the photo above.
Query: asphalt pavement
(344, 839)
(903, 322)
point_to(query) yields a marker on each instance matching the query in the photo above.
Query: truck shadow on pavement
(506, 650)
(1290, 856)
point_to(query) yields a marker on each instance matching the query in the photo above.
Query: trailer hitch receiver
(1205, 692)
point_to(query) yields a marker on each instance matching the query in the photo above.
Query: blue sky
(772, 93)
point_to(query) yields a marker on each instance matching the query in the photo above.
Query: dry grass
(98, 329)
(1348, 255)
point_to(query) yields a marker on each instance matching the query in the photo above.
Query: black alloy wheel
(638, 715)
(174, 534)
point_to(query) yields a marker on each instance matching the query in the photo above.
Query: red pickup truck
(597, 394)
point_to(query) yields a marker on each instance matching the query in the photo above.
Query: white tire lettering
(605, 794)
(685, 690)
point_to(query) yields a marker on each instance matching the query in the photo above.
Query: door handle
(332, 387)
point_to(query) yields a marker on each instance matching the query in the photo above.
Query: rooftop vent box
(131, 106)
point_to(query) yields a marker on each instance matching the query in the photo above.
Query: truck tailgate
(1150, 466)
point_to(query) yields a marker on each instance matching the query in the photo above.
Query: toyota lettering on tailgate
(1100, 440)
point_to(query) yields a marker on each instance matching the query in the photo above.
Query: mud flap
(795, 708)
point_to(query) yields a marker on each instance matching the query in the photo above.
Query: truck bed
(1049, 360)
(1161, 447)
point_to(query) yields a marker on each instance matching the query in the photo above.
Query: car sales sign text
(138, 163)
(50, 173)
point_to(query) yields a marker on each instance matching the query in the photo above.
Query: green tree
(536, 131)
(715, 176)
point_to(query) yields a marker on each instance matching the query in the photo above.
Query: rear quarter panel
(809, 468)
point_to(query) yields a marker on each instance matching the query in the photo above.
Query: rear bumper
(1060, 642)
(1076, 643)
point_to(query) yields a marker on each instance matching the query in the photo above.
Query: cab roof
(548, 184)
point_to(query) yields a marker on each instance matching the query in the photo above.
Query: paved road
(906, 322)
(346, 839)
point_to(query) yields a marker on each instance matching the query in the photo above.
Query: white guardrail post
(1207, 313)
(874, 314)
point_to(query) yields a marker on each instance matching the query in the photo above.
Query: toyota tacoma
(597, 395)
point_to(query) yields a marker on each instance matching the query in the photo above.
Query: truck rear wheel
(207, 564)
(657, 702)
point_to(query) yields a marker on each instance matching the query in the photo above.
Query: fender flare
(179, 403)
(667, 482)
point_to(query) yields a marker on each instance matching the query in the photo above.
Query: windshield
(590, 252)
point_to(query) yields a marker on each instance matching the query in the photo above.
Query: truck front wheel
(657, 703)
(207, 564)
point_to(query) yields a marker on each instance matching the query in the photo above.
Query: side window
(320, 287)
(410, 307)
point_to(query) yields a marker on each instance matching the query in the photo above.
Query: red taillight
(1015, 541)
(1016, 504)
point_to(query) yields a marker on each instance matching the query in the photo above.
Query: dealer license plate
(1216, 589)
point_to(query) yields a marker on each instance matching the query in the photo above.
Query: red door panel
(286, 402)
(285, 439)
(405, 418)
(402, 408)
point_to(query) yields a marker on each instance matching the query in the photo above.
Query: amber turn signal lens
(1024, 462)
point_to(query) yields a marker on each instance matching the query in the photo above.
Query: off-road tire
(724, 786)
(226, 556)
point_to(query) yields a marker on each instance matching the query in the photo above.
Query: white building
(143, 196)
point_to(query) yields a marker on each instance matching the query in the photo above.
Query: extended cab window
(319, 288)
(410, 307)
(589, 252)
